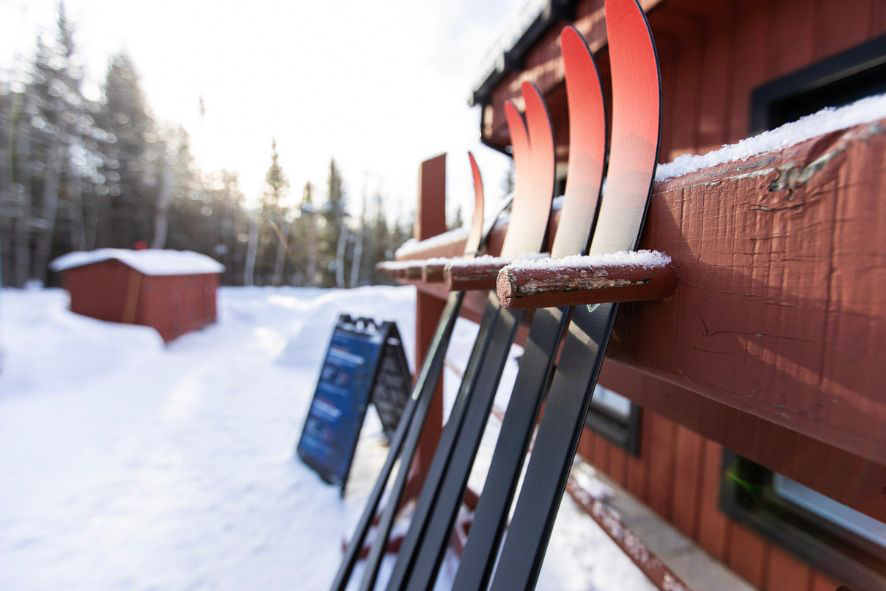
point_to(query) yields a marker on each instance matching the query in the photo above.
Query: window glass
(612, 403)
(831, 510)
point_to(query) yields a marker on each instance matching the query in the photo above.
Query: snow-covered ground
(129, 465)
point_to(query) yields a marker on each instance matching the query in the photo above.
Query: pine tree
(307, 234)
(127, 212)
(274, 213)
(334, 231)
(379, 242)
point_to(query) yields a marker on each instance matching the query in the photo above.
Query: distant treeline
(79, 174)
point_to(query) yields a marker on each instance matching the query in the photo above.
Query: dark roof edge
(513, 58)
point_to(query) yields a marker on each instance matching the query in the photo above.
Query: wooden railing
(778, 322)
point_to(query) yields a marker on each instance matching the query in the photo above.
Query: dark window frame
(747, 496)
(624, 434)
(845, 68)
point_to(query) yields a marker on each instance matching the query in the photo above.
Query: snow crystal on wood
(647, 259)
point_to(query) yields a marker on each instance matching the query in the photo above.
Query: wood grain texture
(472, 275)
(845, 477)
(713, 526)
(538, 287)
(786, 572)
(747, 555)
(687, 480)
(430, 220)
(662, 458)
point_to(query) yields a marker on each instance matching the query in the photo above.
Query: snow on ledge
(150, 261)
(489, 260)
(413, 246)
(648, 259)
(825, 121)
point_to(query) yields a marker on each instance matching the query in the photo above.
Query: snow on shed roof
(152, 261)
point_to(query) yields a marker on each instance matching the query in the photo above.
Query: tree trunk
(43, 248)
(75, 202)
(280, 255)
(311, 271)
(22, 269)
(7, 195)
(356, 262)
(340, 256)
(251, 250)
(161, 215)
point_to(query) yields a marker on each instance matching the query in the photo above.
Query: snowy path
(127, 465)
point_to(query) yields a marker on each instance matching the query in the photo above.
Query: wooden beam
(779, 311)
(571, 285)
(430, 221)
(474, 274)
(838, 474)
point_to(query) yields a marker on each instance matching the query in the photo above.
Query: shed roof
(152, 261)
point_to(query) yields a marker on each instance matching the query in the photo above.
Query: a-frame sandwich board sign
(364, 361)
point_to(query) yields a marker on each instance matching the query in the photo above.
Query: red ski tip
(541, 142)
(587, 145)
(636, 89)
(476, 236)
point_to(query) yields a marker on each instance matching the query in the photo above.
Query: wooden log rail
(619, 277)
(779, 312)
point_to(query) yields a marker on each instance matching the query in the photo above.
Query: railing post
(430, 220)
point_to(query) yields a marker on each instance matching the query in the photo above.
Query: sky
(379, 85)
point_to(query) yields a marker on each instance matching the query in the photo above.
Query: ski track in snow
(127, 465)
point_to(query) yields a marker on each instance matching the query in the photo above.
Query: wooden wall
(99, 290)
(173, 304)
(177, 304)
(713, 54)
(678, 475)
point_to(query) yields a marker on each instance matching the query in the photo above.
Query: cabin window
(616, 418)
(833, 82)
(846, 543)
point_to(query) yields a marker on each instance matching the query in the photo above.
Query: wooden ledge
(545, 287)
(434, 271)
(407, 270)
(475, 274)
(779, 310)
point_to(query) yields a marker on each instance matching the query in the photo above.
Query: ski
(636, 123)
(587, 152)
(533, 151)
(405, 439)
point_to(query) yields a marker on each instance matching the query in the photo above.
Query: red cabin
(741, 421)
(169, 290)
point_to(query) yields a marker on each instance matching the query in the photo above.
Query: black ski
(534, 186)
(636, 122)
(405, 438)
(587, 151)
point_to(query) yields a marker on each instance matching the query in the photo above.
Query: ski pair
(533, 150)
(404, 441)
(636, 128)
(636, 123)
(422, 552)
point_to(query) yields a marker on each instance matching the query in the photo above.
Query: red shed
(170, 290)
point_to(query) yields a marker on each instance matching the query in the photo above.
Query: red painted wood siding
(678, 475)
(713, 54)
